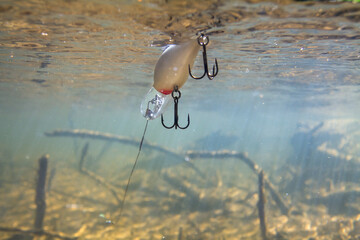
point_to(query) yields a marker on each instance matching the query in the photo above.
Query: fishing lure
(171, 70)
(171, 73)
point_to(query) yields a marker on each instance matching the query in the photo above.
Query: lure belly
(172, 69)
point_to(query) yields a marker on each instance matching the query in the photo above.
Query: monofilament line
(133, 168)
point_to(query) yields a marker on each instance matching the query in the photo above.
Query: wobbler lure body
(172, 69)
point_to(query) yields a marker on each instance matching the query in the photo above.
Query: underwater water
(286, 101)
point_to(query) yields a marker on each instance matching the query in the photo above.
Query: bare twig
(180, 234)
(95, 177)
(261, 206)
(179, 185)
(84, 152)
(40, 207)
(102, 182)
(252, 165)
(40, 193)
(83, 133)
(37, 232)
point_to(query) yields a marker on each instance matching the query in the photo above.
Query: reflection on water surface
(287, 94)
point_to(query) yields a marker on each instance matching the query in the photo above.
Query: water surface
(287, 93)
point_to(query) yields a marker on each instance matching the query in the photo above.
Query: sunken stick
(37, 232)
(102, 182)
(180, 234)
(40, 193)
(95, 177)
(252, 165)
(261, 205)
(40, 207)
(83, 133)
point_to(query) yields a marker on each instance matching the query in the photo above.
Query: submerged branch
(83, 133)
(94, 176)
(40, 193)
(179, 185)
(40, 207)
(37, 232)
(261, 206)
(251, 164)
(84, 152)
(102, 182)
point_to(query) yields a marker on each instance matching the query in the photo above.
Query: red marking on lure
(166, 92)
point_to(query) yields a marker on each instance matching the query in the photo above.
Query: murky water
(287, 94)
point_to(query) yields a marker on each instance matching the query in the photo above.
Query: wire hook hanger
(176, 116)
(203, 40)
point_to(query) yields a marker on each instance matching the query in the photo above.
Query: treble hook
(203, 40)
(176, 116)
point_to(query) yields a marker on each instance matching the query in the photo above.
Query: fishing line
(133, 168)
